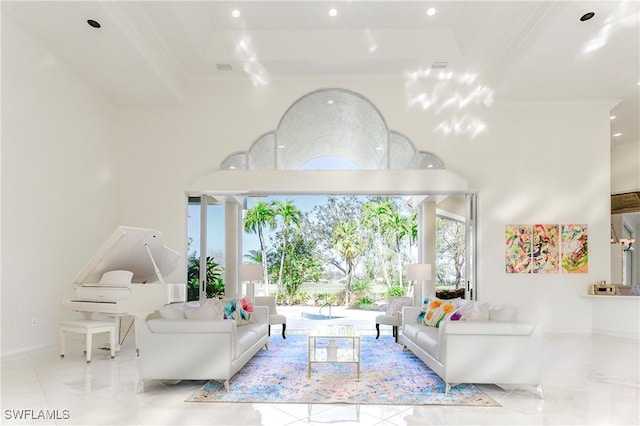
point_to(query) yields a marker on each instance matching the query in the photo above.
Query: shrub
(396, 291)
(363, 303)
(300, 298)
(365, 300)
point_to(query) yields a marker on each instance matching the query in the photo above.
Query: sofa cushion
(503, 313)
(411, 330)
(172, 311)
(246, 338)
(208, 309)
(427, 339)
(438, 310)
(259, 328)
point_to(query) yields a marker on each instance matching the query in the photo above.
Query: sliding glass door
(205, 247)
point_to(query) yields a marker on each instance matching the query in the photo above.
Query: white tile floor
(587, 380)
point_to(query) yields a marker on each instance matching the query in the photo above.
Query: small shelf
(614, 297)
(344, 355)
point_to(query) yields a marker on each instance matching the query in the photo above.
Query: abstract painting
(575, 253)
(546, 249)
(518, 249)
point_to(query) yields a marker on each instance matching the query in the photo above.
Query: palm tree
(256, 218)
(253, 256)
(346, 240)
(374, 215)
(413, 240)
(397, 228)
(289, 215)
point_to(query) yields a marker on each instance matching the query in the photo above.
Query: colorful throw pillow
(470, 311)
(238, 310)
(438, 310)
(457, 316)
(423, 311)
(461, 312)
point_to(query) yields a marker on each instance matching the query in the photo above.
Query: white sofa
(173, 347)
(499, 350)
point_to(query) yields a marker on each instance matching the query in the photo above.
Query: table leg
(309, 358)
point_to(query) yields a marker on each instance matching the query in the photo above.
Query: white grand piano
(126, 277)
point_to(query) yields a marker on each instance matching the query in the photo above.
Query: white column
(232, 212)
(427, 243)
(202, 294)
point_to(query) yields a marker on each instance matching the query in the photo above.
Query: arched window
(332, 129)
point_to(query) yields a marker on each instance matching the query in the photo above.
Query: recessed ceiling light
(330, 101)
(235, 13)
(431, 11)
(94, 24)
(333, 12)
(587, 16)
(613, 117)
(615, 135)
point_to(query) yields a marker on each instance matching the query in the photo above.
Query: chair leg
(61, 343)
(269, 329)
(112, 343)
(395, 332)
(377, 330)
(89, 340)
(284, 327)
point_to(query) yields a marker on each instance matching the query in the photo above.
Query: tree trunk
(284, 250)
(265, 274)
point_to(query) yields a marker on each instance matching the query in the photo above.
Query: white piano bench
(88, 328)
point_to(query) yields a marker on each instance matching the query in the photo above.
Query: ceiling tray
(628, 202)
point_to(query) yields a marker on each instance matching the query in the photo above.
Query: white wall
(625, 176)
(58, 190)
(536, 164)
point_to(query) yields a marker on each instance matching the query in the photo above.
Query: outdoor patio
(363, 320)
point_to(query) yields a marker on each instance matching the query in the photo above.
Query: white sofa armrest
(260, 314)
(495, 328)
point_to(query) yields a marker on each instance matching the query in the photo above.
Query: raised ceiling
(628, 202)
(149, 52)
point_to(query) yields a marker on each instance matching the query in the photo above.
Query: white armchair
(393, 315)
(274, 317)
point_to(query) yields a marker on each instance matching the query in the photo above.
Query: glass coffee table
(323, 346)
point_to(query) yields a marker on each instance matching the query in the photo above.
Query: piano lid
(138, 250)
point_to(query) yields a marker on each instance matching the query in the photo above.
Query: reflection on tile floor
(587, 380)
